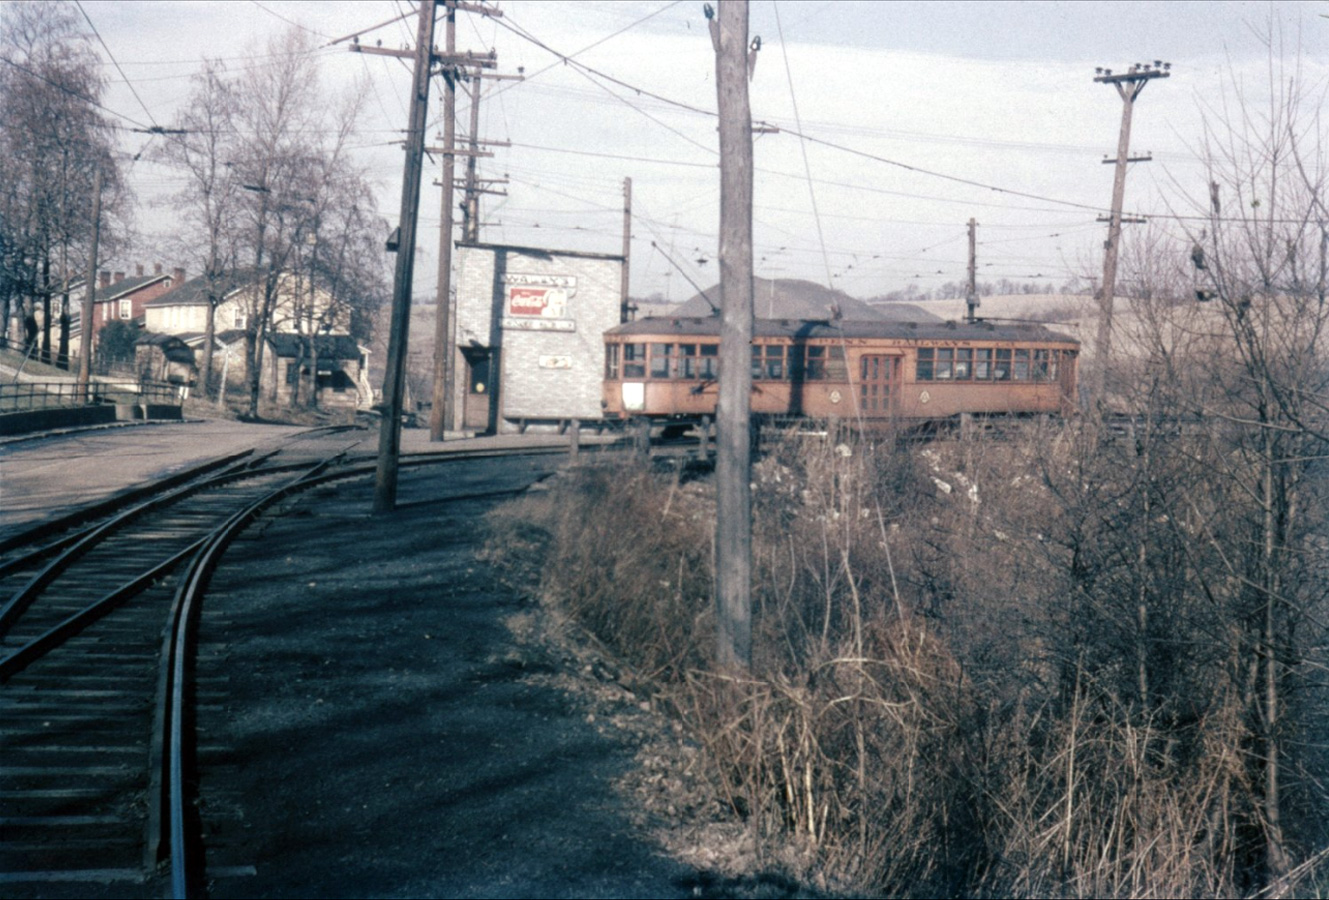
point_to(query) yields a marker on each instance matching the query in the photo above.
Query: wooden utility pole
(439, 407)
(626, 311)
(733, 457)
(389, 438)
(471, 214)
(1128, 85)
(85, 350)
(971, 292)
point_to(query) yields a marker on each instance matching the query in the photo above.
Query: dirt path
(384, 734)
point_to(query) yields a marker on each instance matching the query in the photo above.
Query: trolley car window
(1045, 365)
(768, 362)
(925, 360)
(983, 364)
(944, 361)
(1022, 365)
(825, 364)
(963, 363)
(662, 360)
(611, 362)
(708, 365)
(634, 360)
(1002, 371)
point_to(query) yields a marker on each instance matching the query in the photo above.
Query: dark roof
(171, 346)
(126, 286)
(792, 298)
(330, 346)
(194, 292)
(808, 329)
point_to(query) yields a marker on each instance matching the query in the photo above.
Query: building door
(875, 376)
(479, 410)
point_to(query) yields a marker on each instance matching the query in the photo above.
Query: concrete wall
(546, 312)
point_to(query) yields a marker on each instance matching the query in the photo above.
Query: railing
(25, 396)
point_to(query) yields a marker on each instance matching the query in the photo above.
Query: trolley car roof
(811, 329)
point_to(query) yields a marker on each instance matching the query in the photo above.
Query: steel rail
(84, 541)
(110, 504)
(171, 811)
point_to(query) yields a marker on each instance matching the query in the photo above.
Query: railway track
(83, 660)
(97, 696)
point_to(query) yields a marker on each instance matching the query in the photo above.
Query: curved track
(90, 690)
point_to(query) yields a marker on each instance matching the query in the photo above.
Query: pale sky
(1001, 94)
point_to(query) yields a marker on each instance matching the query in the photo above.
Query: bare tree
(53, 138)
(209, 201)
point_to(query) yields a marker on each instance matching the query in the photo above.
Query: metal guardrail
(26, 396)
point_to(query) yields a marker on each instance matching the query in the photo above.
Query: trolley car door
(876, 373)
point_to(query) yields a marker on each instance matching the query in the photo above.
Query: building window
(126, 309)
(238, 318)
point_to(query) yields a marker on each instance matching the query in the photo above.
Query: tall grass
(929, 709)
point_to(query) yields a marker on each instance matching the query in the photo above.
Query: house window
(238, 318)
(126, 309)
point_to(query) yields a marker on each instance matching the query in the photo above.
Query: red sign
(537, 301)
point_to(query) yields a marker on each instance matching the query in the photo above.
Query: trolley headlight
(634, 396)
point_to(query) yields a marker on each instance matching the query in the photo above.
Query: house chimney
(156, 268)
(118, 277)
(104, 278)
(138, 270)
(177, 276)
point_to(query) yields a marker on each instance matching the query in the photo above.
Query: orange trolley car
(666, 369)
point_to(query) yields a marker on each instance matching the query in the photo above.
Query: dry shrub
(948, 691)
(627, 554)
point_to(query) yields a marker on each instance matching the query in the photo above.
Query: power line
(128, 83)
(278, 15)
(802, 145)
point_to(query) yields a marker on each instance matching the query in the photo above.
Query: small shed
(166, 358)
(332, 364)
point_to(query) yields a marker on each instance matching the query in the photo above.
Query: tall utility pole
(1129, 85)
(971, 292)
(389, 438)
(85, 350)
(733, 457)
(438, 423)
(625, 312)
(471, 214)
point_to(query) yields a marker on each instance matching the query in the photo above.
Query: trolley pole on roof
(971, 295)
(626, 310)
(733, 457)
(389, 438)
